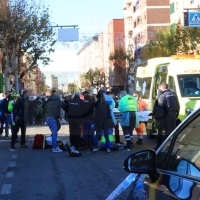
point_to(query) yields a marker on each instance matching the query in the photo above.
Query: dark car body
(173, 171)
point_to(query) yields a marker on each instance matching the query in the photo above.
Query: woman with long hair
(103, 121)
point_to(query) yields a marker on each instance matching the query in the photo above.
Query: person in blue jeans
(103, 121)
(52, 110)
(88, 123)
(7, 114)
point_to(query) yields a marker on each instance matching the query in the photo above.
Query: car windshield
(189, 85)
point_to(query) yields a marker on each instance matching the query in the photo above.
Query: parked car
(172, 171)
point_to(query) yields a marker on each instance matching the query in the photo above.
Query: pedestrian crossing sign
(194, 18)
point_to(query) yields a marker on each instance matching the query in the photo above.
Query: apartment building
(95, 53)
(108, 42)
(177, 8)
(142, 19)
(88, 55)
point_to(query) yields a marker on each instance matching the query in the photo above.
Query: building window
(137, 5)
(130, 33)
(171, 8)
(134, 9)
(138, 21)
(173, 26)
(145, 16)
(176, 5)
(135, 24)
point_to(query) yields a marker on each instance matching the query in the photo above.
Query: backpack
(39, 142)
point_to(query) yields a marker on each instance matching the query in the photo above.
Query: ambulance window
(143, 86)
(162, 74)
(190, 85)
(171, 84)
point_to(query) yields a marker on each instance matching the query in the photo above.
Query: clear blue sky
(91, 16)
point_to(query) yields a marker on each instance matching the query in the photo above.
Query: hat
(15, 95)
(102, 91)
(122, 93)
(77, 94)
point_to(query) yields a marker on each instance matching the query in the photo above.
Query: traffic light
(1, 83)
(185, 19)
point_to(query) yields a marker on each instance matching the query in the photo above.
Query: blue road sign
(194, 18)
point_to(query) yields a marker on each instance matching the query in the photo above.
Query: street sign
(194, 18)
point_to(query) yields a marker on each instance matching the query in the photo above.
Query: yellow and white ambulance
(181, 72)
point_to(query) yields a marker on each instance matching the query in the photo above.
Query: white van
(181, 72)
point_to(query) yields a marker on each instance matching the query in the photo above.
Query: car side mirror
(142, 162)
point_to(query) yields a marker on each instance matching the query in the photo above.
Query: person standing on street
(109, 99)
(103, 121)
(128, 106)
(88, 124)
(143, 117)
(20, 114)
(52, 110)
(75, 119)
(166, 111)
(6, 118)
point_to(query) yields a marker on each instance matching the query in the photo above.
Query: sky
(91, 16)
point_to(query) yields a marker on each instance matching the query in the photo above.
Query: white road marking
(14, 156)
(11, 150)
(12, 164)
(5, 140)
(9, 174)
(6, 188)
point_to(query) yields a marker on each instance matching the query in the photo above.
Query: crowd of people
(90, 117)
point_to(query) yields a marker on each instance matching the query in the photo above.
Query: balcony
(129, 26)
(128, 2)
(128, 13)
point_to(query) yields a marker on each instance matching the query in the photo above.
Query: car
(173, 170)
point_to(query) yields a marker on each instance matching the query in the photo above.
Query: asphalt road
(29, 174)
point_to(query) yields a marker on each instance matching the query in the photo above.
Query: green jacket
(53, 106)
(128, 103)
(10, 105)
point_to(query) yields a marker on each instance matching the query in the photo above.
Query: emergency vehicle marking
(192, 71)
(153, 188)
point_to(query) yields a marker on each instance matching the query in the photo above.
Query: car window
(185, 156)
(162, 155)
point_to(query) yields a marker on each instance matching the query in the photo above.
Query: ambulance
(181, 72)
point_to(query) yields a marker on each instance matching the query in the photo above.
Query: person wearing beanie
(128, 106)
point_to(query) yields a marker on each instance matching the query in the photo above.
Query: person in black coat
(103, 121)
(75, 118)
(88, 124)
(165, 111)
(20, 114)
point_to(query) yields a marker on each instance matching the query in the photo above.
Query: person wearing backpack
(52, 110)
